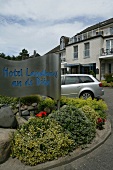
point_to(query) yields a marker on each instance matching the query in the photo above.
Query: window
(79, 37)
(86, 50)
(86, 79)
(62, 44)
(75, 56)
(75, 39)
(85, 36)
(71, 80)
(70, 40)
(89, 34)
(62, 56)
(94, 32)
(111, 30)
(109, 45)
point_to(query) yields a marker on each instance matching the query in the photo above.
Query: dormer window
(62, 43)
(111, 30)
(85, 36)
(79, 37)
(75, 39)
(89, 34)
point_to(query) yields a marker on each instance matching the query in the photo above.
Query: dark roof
(66, 39)
(98, 25)
(54, 50)
(34, 55)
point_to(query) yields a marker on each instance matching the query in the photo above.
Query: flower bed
(51, 134)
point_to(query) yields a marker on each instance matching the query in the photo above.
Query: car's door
(70, 86)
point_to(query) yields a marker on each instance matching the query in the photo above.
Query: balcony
(63, 59)
(63, 63)
(106, 53)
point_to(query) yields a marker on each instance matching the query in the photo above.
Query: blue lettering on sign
(41, 74)
(43, 82)
(16, 83)
(14, 73)
(28, 82)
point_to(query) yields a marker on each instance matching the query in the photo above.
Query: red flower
(99, 120)
(41, 114)
(100, 123)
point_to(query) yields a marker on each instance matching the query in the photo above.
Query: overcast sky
(39, 24)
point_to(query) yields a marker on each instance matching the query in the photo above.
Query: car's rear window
(71, 80)
(85, 79)
(76, 79)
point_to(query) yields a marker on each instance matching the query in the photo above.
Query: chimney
(34, 53)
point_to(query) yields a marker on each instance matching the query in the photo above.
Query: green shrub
(7, 100)
(48, 102)
(105, 84)
(12, 101)
(74, 122)
(28, 100)
(64, 100)
(92, 73)
(102, 114)
(98, 105)
(91, 114)
(111, 84)
(40, 140)
(77, 102)
(108, 77)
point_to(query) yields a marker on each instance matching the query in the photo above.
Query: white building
(91, 49)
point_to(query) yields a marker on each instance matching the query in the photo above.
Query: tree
(8, 57)
(13, 57)
(2, 55)
(23, 55)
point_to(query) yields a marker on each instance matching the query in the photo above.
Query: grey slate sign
(39, 75)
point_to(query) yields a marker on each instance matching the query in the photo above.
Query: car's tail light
(100, 84)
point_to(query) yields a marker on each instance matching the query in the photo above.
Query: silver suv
(81, 85)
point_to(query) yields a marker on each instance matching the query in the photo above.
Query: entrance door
(86, 70)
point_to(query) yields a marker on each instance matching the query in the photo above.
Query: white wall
(95, 45)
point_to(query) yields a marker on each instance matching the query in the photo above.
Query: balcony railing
(104, 52)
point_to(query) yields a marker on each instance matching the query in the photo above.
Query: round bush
(30, 99)
(44, 103)
(74, 122)
(91, 114)
(40, 140)
(8, 100)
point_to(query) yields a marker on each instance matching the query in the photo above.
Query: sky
(39, 24)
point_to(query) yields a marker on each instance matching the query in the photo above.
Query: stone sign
(39, 75)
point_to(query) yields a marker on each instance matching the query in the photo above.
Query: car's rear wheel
(86, 94)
